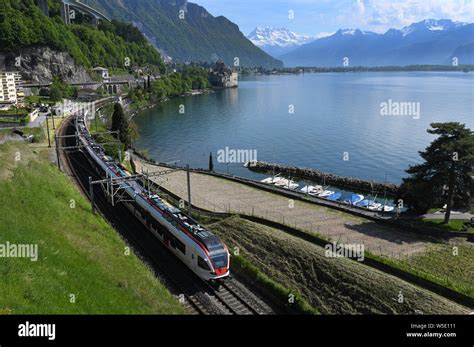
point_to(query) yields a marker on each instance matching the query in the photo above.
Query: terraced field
(331, 285)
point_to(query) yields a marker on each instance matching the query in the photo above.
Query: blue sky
(321, 17)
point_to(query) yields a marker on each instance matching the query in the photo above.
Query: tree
(55, 92)
(120, 123)
(211, 163)
(444, 178)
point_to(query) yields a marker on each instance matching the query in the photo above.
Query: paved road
(221, 195)
(39, 120)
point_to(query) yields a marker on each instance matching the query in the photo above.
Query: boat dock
(350, 183)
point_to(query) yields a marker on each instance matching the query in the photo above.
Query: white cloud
(360, 7)
(381, 15)
(384, 14)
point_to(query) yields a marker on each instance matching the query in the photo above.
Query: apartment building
(11, 92)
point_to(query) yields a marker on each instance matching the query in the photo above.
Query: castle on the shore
(222, 77)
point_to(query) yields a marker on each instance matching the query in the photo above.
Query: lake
(366, 125)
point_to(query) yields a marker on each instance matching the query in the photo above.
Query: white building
(10, 87)
(103, 72)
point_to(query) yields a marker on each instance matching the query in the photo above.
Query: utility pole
(91, 194)
(47, 129)
(57, 151)
(189, 190)
(384, 195)
(52, 117)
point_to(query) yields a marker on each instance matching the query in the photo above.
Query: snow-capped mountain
(432, 25)
(427, 42)
(353, 32)
(277, 41)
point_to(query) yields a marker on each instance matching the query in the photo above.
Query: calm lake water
(336, 117)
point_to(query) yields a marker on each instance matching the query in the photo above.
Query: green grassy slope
(79, 253)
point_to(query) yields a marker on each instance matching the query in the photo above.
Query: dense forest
(22, 25)
(175, 84)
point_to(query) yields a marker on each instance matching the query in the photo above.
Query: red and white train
(199, 249)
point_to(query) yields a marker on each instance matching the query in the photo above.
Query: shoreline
(361, 69)
(153, 105)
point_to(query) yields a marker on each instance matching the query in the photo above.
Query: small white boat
(312, 190)
(291, 185)
(271, 180)
(387, 208)
(284, 183)
(317, 190)
(375, 206)
(251, 163)
(326, 193)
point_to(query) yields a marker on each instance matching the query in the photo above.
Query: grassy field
(269, 284)
(330, 285)
(453, 225)
(14, 113)
(39, 100)
(451, 265)
(82, 265)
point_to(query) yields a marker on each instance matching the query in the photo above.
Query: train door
(166, 239)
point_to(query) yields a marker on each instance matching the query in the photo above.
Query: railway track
(225, 297)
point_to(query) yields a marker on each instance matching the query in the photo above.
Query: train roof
(212, 242)
(205, 236)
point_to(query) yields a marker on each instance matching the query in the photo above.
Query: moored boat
(354, 199)
(271, 180)
(335, 196)
(312, 190)
(286, 183)
(326, 193)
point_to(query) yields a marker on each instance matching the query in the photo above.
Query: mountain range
(426, 42)
(184, 31)
(278, 41)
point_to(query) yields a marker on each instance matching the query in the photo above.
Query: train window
(181, 246)
(219, 260)
(202, 264)
(157, 229)
(177, 244)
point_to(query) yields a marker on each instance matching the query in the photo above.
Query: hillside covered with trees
(23, 25)
(187, 31)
